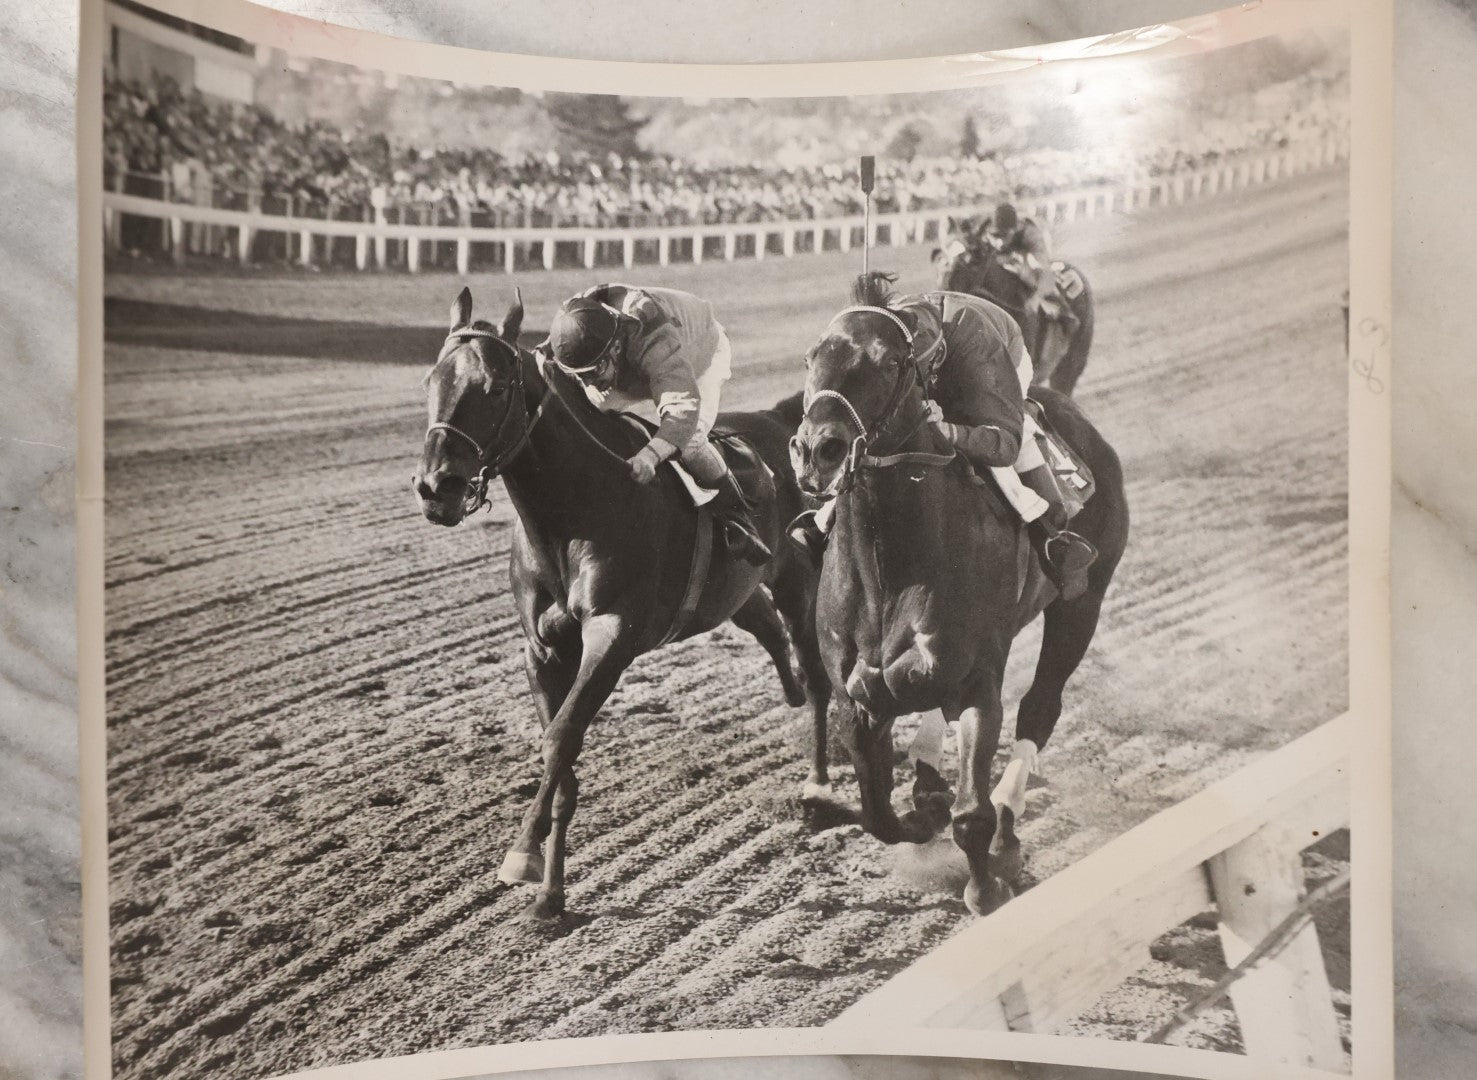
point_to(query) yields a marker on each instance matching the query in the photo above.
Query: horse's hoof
(521, 868)
(547, 909)
(920, 826)
(1007, 859)
(813, 792)
(935, 806)
(927, 781)
(1006, 856)
(982, 901)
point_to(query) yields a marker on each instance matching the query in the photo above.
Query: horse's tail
(1069, 369)
(790, 410)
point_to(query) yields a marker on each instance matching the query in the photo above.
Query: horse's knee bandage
(1011, 791)
(1025, 750)
(928, 742)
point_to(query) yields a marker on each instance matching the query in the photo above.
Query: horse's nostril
(830, 450)
(440, 484)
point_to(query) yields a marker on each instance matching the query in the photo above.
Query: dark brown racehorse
(601, 563)
(967, 263)
(927, 578)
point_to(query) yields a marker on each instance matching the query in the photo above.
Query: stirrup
(744, 543)
(806, 536)
(1068, 552)
(1066, 557)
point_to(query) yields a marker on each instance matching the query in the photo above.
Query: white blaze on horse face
(1011, 791)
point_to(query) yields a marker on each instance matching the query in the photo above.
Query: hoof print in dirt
(241, 834)
(547, 914)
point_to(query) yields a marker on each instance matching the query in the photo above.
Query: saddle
(1069, 280)
(743, 459)
(1073, 478)
(751, 473)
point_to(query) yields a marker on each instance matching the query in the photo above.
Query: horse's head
(959, 266)
(477, 413)
(861, 376)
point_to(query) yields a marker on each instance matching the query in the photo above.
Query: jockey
(1024, 243)
(627, 345)
(978, 381)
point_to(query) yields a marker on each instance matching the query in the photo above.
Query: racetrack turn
(320, 741)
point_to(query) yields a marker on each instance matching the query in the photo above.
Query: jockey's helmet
(581, 335)
(1004, 222)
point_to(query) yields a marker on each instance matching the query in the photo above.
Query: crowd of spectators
(160, 139)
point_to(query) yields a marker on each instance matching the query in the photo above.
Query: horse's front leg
(869, 740)
(973, 813)
(550, 677)
(932, 797)
(606, 653)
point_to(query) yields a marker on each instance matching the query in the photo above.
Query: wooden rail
(1235, 847)
(690, 243)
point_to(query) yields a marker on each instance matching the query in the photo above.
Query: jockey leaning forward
(975, 362)
(627, 345)
(1023, 245)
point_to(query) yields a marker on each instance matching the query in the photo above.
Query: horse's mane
(874, 289)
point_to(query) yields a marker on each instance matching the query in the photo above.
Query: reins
(574, 415)
(478, 486)
(477, 496)
(860, 456)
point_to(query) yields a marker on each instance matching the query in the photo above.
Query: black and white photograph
(586, 564)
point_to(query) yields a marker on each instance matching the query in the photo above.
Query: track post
(1284, 1004)
(868, 181)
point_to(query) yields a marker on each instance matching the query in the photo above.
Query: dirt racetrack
(320, 741)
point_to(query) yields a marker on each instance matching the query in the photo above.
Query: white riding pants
(1027, 503)
(705, 463)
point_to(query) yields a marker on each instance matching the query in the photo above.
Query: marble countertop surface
(1435, 501)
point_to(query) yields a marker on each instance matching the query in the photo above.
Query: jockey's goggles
(572, 333)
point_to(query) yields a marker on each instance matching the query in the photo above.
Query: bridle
(490, 469)
(909, 371)
(477, 487)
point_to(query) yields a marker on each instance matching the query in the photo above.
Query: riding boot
(808, 539)
(731, 510)
(1065, 555)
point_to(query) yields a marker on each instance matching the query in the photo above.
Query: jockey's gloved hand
(644, 463)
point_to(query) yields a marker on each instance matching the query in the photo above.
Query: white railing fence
(1236, 847)
(383, 245)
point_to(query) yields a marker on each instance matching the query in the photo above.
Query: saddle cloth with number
(1073, 477)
